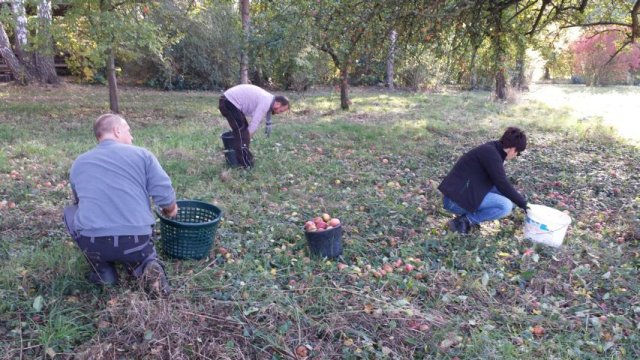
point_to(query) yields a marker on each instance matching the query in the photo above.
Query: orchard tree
(594, 59)
(29, 61)
(621, 16)
(97, 32)
(346, 30)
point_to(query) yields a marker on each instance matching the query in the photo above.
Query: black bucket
(325, 243)
(229, 152)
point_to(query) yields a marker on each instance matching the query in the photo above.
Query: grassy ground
(259, 296)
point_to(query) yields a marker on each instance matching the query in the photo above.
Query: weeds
(259, 295)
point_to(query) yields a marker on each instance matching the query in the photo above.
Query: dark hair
(105, 123)
(282, 100)
(514, 137)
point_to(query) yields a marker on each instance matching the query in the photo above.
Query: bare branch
(600, 32)
(580, 8)
(635, 25)
(540, 14)
(523, 9)
(599, 23)
(626, 43)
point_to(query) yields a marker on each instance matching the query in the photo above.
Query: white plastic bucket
(545, 225)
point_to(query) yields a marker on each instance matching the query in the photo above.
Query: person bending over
(245, 100)
(477, 188)
(111, 219)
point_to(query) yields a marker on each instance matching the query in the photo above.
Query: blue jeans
(493, 206)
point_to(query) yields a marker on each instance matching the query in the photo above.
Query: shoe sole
(155, 279)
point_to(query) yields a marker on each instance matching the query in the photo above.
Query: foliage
(203, 51)
(280, 49)
(259, 295)
(596, 58)
(90, 29)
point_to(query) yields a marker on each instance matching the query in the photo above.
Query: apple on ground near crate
(321, 223)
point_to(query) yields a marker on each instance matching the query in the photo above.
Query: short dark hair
(282, 100)
(105, 123)
(514, 137)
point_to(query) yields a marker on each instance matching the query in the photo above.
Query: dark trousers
(134, 251)
(240, 127)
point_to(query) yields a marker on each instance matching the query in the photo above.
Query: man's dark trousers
(240, 128)
(103, 252)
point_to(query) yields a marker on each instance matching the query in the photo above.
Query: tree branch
(599, 32)
(635, 26)
(626, 43)
(598, 23)
(539, 17)
(583, 5)
(523, 9)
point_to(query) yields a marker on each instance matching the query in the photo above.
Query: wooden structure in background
(61, 68)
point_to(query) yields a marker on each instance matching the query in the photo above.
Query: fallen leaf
(38, 303)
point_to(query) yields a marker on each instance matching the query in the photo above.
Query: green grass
(376, 168)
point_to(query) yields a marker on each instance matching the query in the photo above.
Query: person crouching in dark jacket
(477, 188)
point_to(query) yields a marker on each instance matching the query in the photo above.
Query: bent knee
(506, 207)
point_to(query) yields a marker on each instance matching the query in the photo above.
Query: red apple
(408, 267)
(321, 225)
(302, 352)
(309, 224)
(334, 222)
(538, 330)
(317, 219)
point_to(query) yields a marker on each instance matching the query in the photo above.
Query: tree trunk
(257, 78)
(21, 29)
(113, 84)
(497, 39)
(519, 79)
(501, 85)
(393, 36)
(44, 63)
(20, 74)
(244, 56)
(547, 73)
(474, 70)
(344, 89)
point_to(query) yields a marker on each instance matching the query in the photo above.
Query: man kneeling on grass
(477, 188)
(112, 220)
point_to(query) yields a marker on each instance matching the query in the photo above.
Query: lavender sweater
(252, 101)
(113, 183)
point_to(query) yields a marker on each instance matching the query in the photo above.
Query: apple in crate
(333, 222)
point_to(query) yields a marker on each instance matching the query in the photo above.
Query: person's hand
(170, 211)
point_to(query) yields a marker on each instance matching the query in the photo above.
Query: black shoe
(155, 280)
(102, 277)
(459, 224)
